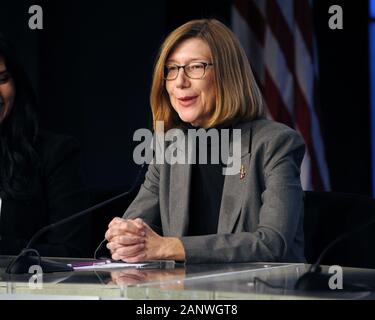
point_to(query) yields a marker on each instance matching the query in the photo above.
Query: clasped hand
(134, 241)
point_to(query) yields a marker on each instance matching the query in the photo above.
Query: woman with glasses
(40, 178)
(192, 212)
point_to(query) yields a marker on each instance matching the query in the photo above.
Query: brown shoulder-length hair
(237, 95)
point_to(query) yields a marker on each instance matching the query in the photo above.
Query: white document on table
(111, 265)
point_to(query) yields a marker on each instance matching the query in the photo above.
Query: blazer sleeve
(146, 203)
(280, 213)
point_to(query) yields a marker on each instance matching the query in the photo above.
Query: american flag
(278, 37)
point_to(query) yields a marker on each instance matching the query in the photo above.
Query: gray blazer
(261, 215)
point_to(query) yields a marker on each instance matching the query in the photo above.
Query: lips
(187, 100)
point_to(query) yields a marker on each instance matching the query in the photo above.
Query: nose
(182, 81)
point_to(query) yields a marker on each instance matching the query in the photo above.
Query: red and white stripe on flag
(278, 37)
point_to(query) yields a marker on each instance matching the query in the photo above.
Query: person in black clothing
(40, 173)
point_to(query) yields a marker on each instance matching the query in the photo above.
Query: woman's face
(193, 99)
(7, 91)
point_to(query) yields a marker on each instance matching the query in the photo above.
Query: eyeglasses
(194, 70)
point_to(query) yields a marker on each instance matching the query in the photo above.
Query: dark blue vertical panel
(372, 97)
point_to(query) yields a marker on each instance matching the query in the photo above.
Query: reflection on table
(215, 281)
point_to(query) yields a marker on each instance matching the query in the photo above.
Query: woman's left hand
(155, 247)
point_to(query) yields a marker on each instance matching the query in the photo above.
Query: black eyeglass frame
(205, 64)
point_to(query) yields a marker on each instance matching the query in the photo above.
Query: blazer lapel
(234, 187)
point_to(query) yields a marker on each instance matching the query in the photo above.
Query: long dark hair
(18, 132)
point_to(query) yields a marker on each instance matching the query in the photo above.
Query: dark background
(92, 64)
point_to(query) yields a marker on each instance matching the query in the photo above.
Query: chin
(191, 114)
(187, 118)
